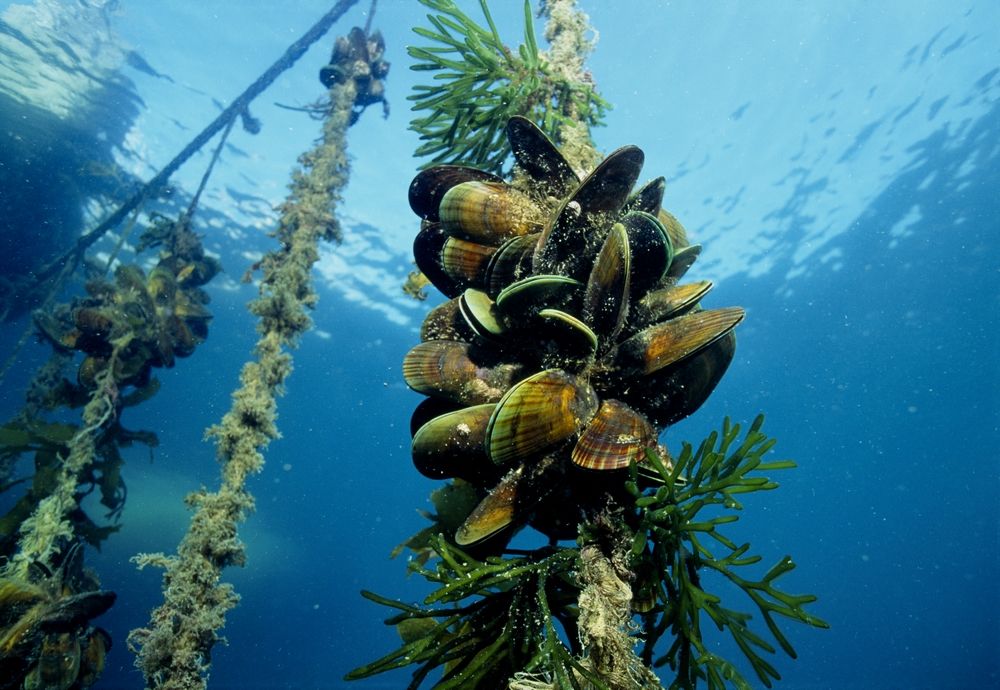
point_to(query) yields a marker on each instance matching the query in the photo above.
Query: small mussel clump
(568, 342)
(359, 57)
(47, 640)
(152, 318)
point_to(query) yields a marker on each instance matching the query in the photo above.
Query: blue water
(841, 167)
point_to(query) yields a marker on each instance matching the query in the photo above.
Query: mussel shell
(75, 610)
(198, 272)
(93, 322)
(616, 436)
(488, 212)
(539, 413)
(58, 662)
(672, 394)
(510, 263)
(574, 342)
(459, 372)
(429, 408)
(497, 511)
(181, 340)
(93, 657)
(651, 251)
(161, 285)
(445, 322)
(676, 232)
(537, 292)
(465, 262)
(513, 500)
(90, 367)
(189, 309)
(683, 260)
(670, 302)
(605, 300)
(430, 185)
(481, 314)
(648, 197)
(428, 246)
(566, 244)
(454, 445)
(539, 158)
(667, 343)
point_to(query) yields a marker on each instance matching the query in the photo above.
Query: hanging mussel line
(568, 342)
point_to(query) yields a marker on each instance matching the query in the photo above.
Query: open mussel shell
(605, 300)
(672, 394)
(566, 244)
(538, 156)
(616, 436)
(459, 372)
(539, 413)
(454, 445)
(429, 186)
(488, 212)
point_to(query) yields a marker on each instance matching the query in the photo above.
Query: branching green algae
(479, 83)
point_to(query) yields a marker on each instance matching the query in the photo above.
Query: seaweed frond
(489, 620)
(480, 83)
(679, 536)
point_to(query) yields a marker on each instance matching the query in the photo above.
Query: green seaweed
(479, 83)
(493, 619)
(675, 542)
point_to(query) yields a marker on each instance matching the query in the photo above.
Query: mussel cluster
(359, 56)
(154, 317)
(47, 640)
(567, 343)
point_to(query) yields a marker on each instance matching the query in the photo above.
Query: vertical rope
(173, 650)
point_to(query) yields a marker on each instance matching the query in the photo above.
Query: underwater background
(840, 163)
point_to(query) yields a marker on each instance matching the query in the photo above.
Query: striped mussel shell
(538, 414)
(459, 371)
(615, 437)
